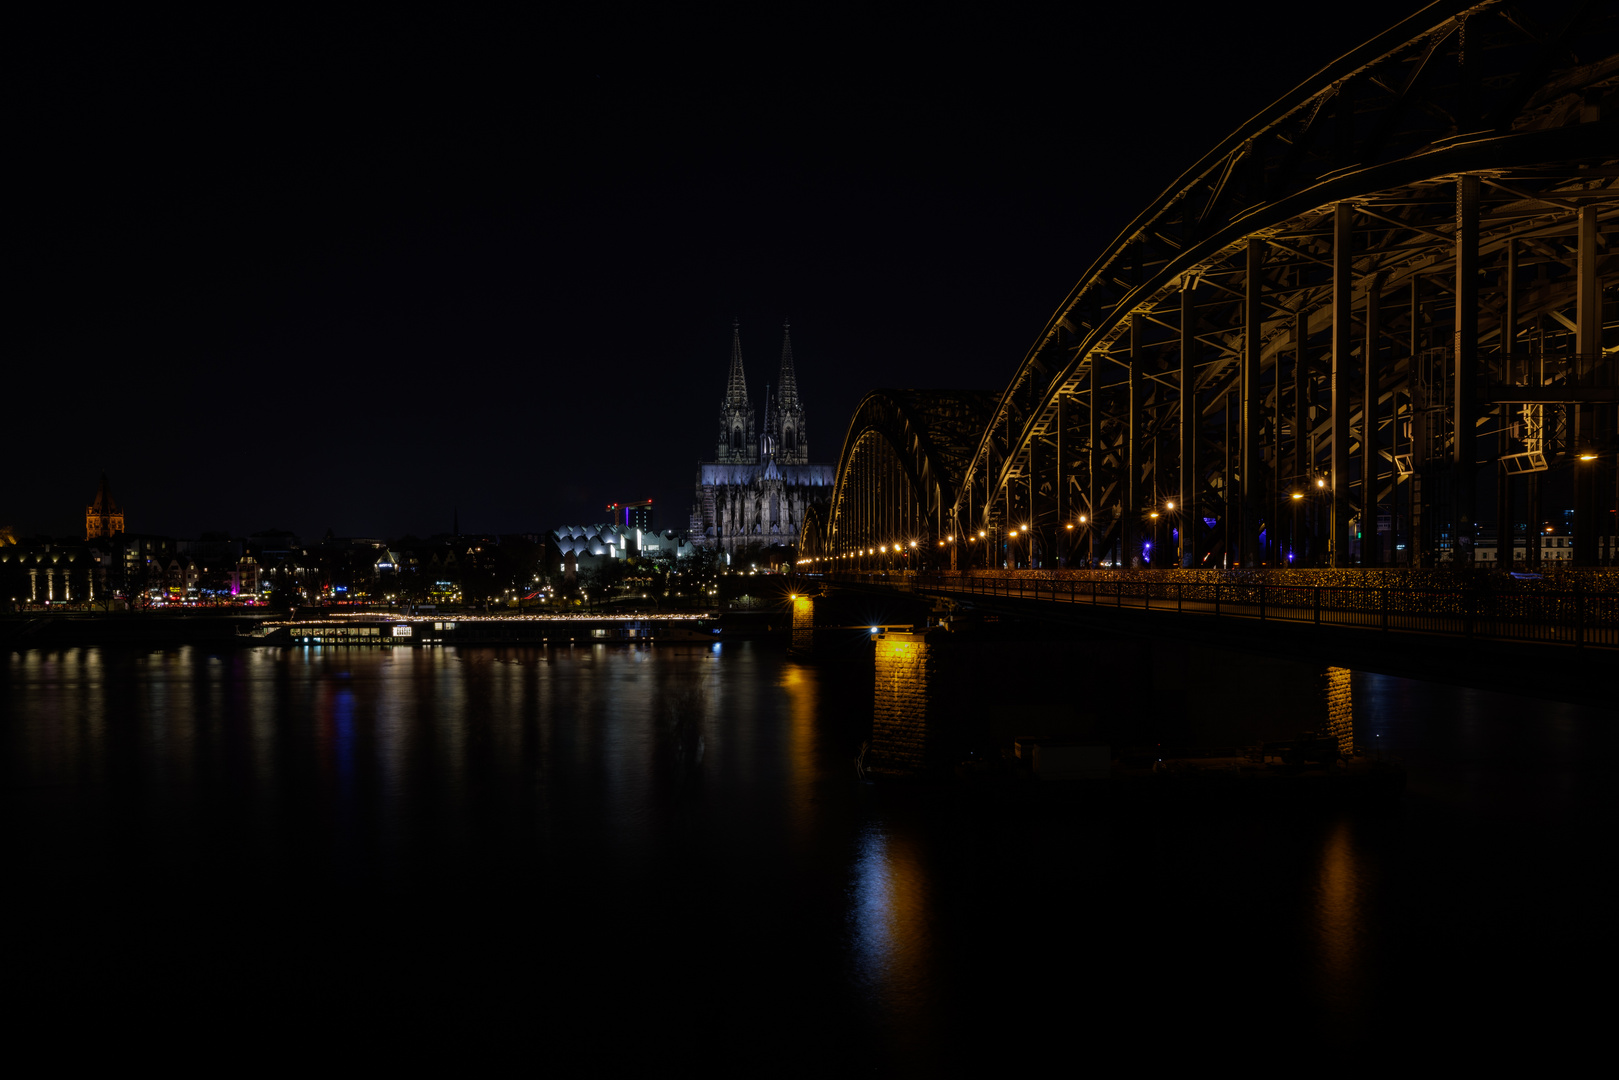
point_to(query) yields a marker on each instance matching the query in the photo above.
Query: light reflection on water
(1340, 923)
(889, 914)
(543, 800)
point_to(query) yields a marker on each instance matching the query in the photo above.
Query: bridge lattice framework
(1397, 273)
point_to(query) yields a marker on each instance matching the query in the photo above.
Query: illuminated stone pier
(1341, 709)
(803, 625)
(906, 733)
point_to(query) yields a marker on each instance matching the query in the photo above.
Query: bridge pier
(803, 643)
(1341, 708)
(906, 728)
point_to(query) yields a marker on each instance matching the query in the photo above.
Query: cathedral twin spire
(783, 435)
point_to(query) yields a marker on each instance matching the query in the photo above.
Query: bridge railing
(1576, 618)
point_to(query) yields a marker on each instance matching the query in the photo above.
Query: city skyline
(307, 284)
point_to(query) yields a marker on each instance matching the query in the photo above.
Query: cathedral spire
(736, 442)
(104, 495)
(786, 423)
(736, 389)
(787, 382)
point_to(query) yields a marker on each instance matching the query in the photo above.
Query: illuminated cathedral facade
(761, 482)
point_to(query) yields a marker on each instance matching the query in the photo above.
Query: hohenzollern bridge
(1386, 283)
(1382, 304)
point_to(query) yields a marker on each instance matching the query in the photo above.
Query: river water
(517, 855)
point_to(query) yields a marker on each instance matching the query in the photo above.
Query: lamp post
(1323, 497)
(1297, 500)
(1177, 534)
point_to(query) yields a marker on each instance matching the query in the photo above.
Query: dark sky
(359, 275)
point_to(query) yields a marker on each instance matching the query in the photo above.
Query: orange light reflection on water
(1340, 917)
(803, 698)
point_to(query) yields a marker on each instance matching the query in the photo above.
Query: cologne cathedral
(761, 483)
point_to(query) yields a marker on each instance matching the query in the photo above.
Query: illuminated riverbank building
(103, 518)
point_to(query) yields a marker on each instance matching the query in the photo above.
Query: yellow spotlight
(1082, 519)
(1171, 506)
(1321, 483)
(1298, 495)
(1068, 526)
(1588, 457)
(1155, 513)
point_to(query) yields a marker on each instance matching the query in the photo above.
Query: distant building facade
(761, 483)
(581, 547)
(1556, 545)
(636, 515)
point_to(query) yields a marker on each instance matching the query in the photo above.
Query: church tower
(736, 442)
(104, 517)
(787, 435)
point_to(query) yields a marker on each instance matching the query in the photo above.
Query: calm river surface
(488, 853)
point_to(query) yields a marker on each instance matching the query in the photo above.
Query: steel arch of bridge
(1427, 226)
(898, 478)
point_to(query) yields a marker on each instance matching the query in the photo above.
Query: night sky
(362, 275)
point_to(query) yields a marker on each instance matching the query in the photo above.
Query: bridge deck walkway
(1576, 620)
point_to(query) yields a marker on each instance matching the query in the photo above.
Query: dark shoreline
(224, 628)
